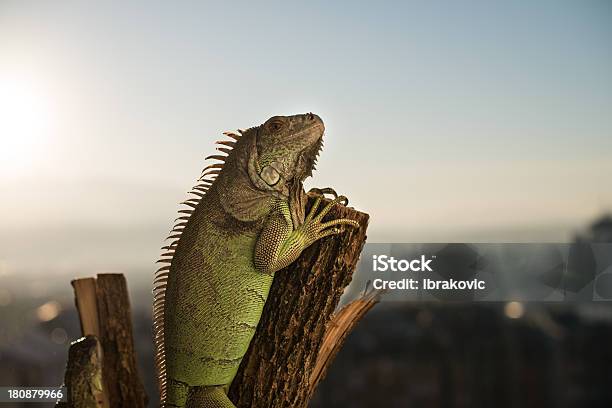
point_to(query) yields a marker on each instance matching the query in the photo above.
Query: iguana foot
(314, 229)
(326, 190)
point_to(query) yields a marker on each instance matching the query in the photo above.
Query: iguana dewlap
(246, 222)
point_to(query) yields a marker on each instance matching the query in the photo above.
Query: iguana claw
(327, 190)
(313, 226)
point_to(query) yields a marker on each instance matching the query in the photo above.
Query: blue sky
(446, 121)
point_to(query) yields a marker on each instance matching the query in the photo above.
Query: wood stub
(278, 367)
(87, 305)
(83, 378)
(340, 326)
(124, 386)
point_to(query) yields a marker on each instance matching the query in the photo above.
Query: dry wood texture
(86, 301)
(124, 386)
(339, 328)
(83, 379)
(276, 371)
(104, 310)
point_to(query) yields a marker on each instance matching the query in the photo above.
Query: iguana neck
(241, 191)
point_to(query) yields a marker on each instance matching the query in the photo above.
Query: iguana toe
(326, 190)
(315, 229)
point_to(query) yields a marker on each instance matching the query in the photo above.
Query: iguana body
(247, 223)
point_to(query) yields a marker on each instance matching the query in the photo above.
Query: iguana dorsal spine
(207, 178)
(245, 222)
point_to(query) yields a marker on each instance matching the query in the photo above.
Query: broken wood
(341, 325)
(85, 298)
(104, 309)
(124, 386)
(278, 368)
(83, 379)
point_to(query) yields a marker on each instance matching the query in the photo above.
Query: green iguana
(247, 221)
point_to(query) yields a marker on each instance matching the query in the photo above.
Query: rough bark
(276, 371)
(124, 386)
(83, 379)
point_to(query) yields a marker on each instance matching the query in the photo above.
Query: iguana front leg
(281, 242)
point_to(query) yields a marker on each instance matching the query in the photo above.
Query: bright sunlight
(25, 121)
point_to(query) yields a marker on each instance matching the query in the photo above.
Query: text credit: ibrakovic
(385, 263)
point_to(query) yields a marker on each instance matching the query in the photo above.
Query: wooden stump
(105, 314)
(278, 368)
(83, 379)
(125, 388)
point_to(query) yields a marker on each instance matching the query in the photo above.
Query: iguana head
(285, 150)
(266, 162)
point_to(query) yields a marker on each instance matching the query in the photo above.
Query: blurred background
(482, 121)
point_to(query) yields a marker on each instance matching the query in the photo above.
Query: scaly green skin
(248, 225)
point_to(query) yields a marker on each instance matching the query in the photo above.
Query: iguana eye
(275, 124)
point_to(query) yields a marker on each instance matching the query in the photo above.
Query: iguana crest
(264, 163)
(207, 178)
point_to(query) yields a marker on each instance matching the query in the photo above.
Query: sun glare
(25, 120)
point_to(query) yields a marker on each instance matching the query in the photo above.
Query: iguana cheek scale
(246, 222)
